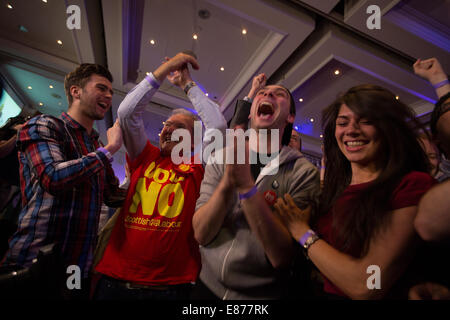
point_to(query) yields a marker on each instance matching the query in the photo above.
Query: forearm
(274, 237)
(433, 222)
(57, 176)
(347, 273)
(209, 218)
(391, 250)
(130, 117)
(436, 79)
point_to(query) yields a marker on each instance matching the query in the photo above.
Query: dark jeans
(112, 289)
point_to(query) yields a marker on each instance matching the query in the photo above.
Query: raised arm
(431, 70)
(242, 108)
(208, 111)
(132, 107)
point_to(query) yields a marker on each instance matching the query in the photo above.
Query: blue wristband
(152, 80)
(305, 237)
(441, 84)
(107, 154)
(248, 194)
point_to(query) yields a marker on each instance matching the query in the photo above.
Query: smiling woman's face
(356, 137)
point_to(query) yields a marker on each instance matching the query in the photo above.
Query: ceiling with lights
(315, 48)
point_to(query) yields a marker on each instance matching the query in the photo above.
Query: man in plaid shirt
(66, 175)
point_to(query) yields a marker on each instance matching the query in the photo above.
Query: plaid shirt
(64, 181)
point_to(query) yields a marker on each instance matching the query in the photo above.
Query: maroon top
(408, 193)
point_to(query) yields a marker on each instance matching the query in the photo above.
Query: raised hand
(115, 140)
(430, 70)
(258, 83)
(238, 174)
(180, 78)
(178, 62)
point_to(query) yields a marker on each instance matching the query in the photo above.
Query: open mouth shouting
(266, 110)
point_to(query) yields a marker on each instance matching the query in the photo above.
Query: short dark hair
(80, 76)
(440, 108)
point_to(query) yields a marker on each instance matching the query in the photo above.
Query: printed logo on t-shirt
(160, 195)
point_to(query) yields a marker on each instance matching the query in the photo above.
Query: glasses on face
(177, 125)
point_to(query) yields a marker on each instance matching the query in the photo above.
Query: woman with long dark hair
(365, 242)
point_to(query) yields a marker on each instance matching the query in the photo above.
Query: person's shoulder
(418, 177)
(40, 127)
(302, 163)
(411, 188)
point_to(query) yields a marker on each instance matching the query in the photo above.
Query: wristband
(189, 86)
(248, 194)
(152, 80)
(441, 84)
(107, 154)
(308, 239)
(248, 99)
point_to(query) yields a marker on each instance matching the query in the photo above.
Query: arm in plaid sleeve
(42, 142)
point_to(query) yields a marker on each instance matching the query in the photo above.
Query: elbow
(121, 113)
(284, 260)
(201, 240)
(222, 124)
(425, 228)
(199, 233)
(281, 264)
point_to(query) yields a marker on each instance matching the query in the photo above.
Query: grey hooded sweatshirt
(234, 263)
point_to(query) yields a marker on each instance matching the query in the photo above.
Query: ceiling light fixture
(222, 69)
(59, 42)
(45, 1)
(195, 37)
(397, 97)
(50, 86)
(337, 72)
(244, 31)
(301, 99)
(207, 94)
(312, 119)
(152, 41)
(29, 87)
(9, 6)
(321, 135)
(41, 104)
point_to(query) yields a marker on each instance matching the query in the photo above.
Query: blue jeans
(112, 289)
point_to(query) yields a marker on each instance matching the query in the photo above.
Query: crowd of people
(372, 223)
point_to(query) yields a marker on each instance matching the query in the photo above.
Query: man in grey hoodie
(246, 250)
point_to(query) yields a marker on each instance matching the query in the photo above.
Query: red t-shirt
(153, 241)
(408, 193)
